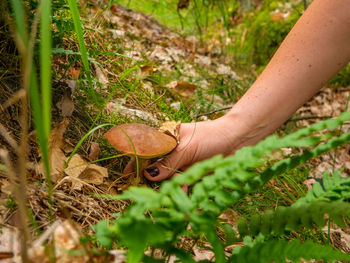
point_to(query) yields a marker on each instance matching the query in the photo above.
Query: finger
(129, 168)
(165, 168)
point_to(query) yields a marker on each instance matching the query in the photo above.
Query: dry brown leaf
(183, 88)
(171, 128)
(75, 72)
(66, 105)
(56, 145)
(95, 151)
(146, 70)
(101, 75)
(202, 60)
(118, 256)
(94, 174)
(10, 245)
(56, 142)
(202, 254)
(176, 105)
(66, 239)
(117, 33)
(339, 238)
(80, 172)
(148, 87)
(5, 187)
(226, 70)
(160, 53)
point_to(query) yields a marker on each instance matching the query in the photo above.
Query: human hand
(198, 141)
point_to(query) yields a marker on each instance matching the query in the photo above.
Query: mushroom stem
(143, 163)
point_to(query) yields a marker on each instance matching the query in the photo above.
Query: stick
(4, 133)
(214, 111)
(308, 117)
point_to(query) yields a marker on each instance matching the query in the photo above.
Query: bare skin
(316, 48)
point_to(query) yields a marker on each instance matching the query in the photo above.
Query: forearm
(315, 50)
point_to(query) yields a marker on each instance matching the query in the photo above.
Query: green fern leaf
(280, 250)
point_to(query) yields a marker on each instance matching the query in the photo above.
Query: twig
(214, 111)
(4, 133)
(18, 193)
(308, 117)
(13, 99)
(196, 115)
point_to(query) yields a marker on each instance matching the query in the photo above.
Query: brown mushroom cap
(148, 141)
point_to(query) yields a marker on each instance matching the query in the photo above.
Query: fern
(158, 219)
(334, 188)
(280, 250)
(306, 215)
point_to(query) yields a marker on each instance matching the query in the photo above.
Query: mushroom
(142, 141)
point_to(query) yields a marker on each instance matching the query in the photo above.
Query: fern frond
(158, 218)
(280, 250)
(335, 188)
(306, 215)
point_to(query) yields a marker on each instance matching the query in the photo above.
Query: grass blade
(45, 64)
(84, 138)
(19, 20)
(79, 31)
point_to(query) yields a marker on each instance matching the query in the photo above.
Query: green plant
(159, 219)
(79, 31)
(270, 22)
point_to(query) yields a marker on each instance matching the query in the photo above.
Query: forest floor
(144, 72)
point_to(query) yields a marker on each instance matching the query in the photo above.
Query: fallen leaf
(171, 128)
(75, 72)
(226, 70)
(95, 151)
(160, 54)
(339, 238)
(146, 70)
(80, 172)
(118, 256)
(101, 76)
(202, 254)
(56, 154)
(134, 54)
(66, 105)
(5, 187)
(202, 60)
(148, 87)
(117, 33)
(183, 88)
(176, 105)
(10, 245)
(94, 174)
(72, 84)
(66, 239)
(175, 53)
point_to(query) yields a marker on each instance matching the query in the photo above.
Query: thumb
(164, 168)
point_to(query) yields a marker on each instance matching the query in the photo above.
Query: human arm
(316, 48)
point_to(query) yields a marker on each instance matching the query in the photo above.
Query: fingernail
(152, 171)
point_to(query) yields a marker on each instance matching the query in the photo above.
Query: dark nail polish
(152, 171)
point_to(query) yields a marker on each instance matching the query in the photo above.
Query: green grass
(79, 31)
(192, 20)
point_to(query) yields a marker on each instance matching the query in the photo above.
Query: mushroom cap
(148, 141)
